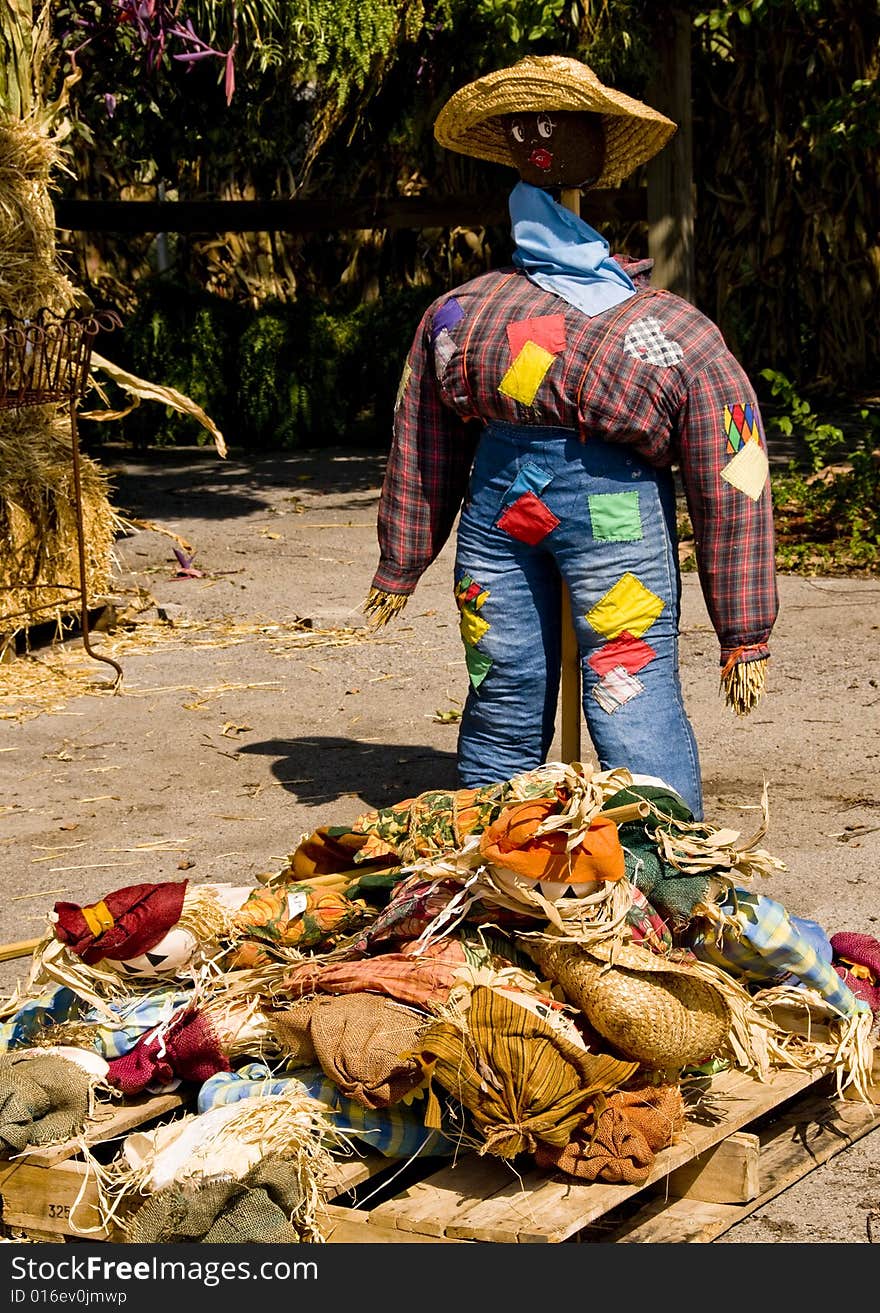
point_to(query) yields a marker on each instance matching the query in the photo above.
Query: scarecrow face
(554, 148)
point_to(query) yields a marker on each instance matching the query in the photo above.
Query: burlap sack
(629, 1131)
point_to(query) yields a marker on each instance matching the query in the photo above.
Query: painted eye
(517, 132)
(545, 126)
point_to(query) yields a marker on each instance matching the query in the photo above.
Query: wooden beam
(670, 177)
(727, 1174)
(298, 216)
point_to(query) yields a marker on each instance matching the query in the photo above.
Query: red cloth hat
(852, 950)
(123, 924)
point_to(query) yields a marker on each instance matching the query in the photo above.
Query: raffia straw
(742, 684)
(292, 1126)
(843, 1044)
(382, 607)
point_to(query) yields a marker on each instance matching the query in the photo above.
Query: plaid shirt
(652, 372)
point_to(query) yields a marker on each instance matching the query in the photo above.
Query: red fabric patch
(547, 331)
(624, 650)
(528, 519)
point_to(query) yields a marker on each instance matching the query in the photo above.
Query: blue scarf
(564, 255)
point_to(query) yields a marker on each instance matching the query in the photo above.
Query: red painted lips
(542, 159)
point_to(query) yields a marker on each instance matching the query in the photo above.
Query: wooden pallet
(768, 1136)
(748, 1142)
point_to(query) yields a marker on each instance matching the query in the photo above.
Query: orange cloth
(330, 849)
(632, 1127)
(511, 842)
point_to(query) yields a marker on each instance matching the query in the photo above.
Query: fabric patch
(631, 653)
(526, 374)
(748, 470)
(547, 331)
(528, 519)
(478, 665)
(646, 341)
(617, 687)
(469, 597)
(628, 605)
(446, 317)
(444, 350)
(530, 478)
(472, 627)
(615, 517)
(466, 590)
(402, 386)
(741, 426)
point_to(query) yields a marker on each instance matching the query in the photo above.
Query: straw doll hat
(661, 1013)
(469, 121)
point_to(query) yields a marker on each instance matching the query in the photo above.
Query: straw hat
(661, 1013)
(469, 122)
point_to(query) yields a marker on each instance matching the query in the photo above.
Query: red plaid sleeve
(732, 515)
(426, 474)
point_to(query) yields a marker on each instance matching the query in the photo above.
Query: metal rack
(44, 360)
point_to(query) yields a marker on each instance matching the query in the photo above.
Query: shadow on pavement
(318, 770)
(163, 483)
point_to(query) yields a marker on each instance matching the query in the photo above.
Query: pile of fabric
(552, 967)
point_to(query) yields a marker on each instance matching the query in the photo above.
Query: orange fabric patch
(511, 841)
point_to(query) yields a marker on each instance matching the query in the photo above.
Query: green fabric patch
(615, 517)
(478, 665)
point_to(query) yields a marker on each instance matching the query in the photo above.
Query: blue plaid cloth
(53, 1005)
(395, 1132)
(136, 1016)
(773, 946)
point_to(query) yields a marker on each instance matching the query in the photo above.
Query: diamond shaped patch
(528, 519)
(628, 605)
(526, 374)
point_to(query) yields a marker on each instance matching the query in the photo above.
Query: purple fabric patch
(447, 317)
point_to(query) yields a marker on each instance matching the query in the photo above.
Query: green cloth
(43, 1100)
(221, 1211)
(669, 891)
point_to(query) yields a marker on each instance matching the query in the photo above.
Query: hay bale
(30, 275)
(39, 560)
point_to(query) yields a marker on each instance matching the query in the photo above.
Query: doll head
(556, 148)
(550, 118)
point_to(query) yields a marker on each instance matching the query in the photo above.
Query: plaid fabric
(396, 1132)
(653, 373)
(136, 1016)
(54, 1005)
(771, 948)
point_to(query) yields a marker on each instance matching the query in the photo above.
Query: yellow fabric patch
(473, 627)
(628, 605)
(526, 374)
(748, 470)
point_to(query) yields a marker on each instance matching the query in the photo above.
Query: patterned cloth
(771, 948)
(397, 1132)
(135, 1017)
(653, 373)
(49, 1008)
(438, 821)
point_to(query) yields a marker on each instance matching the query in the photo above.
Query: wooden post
(670, 181)
(570, 680)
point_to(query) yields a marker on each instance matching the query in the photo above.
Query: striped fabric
(771, 948)
(395, 1132)
(653, 373)
(523, 1082)
(136, 1016)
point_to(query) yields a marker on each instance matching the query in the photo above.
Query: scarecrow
(548, 402)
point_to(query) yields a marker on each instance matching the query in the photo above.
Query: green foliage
(798, 419)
